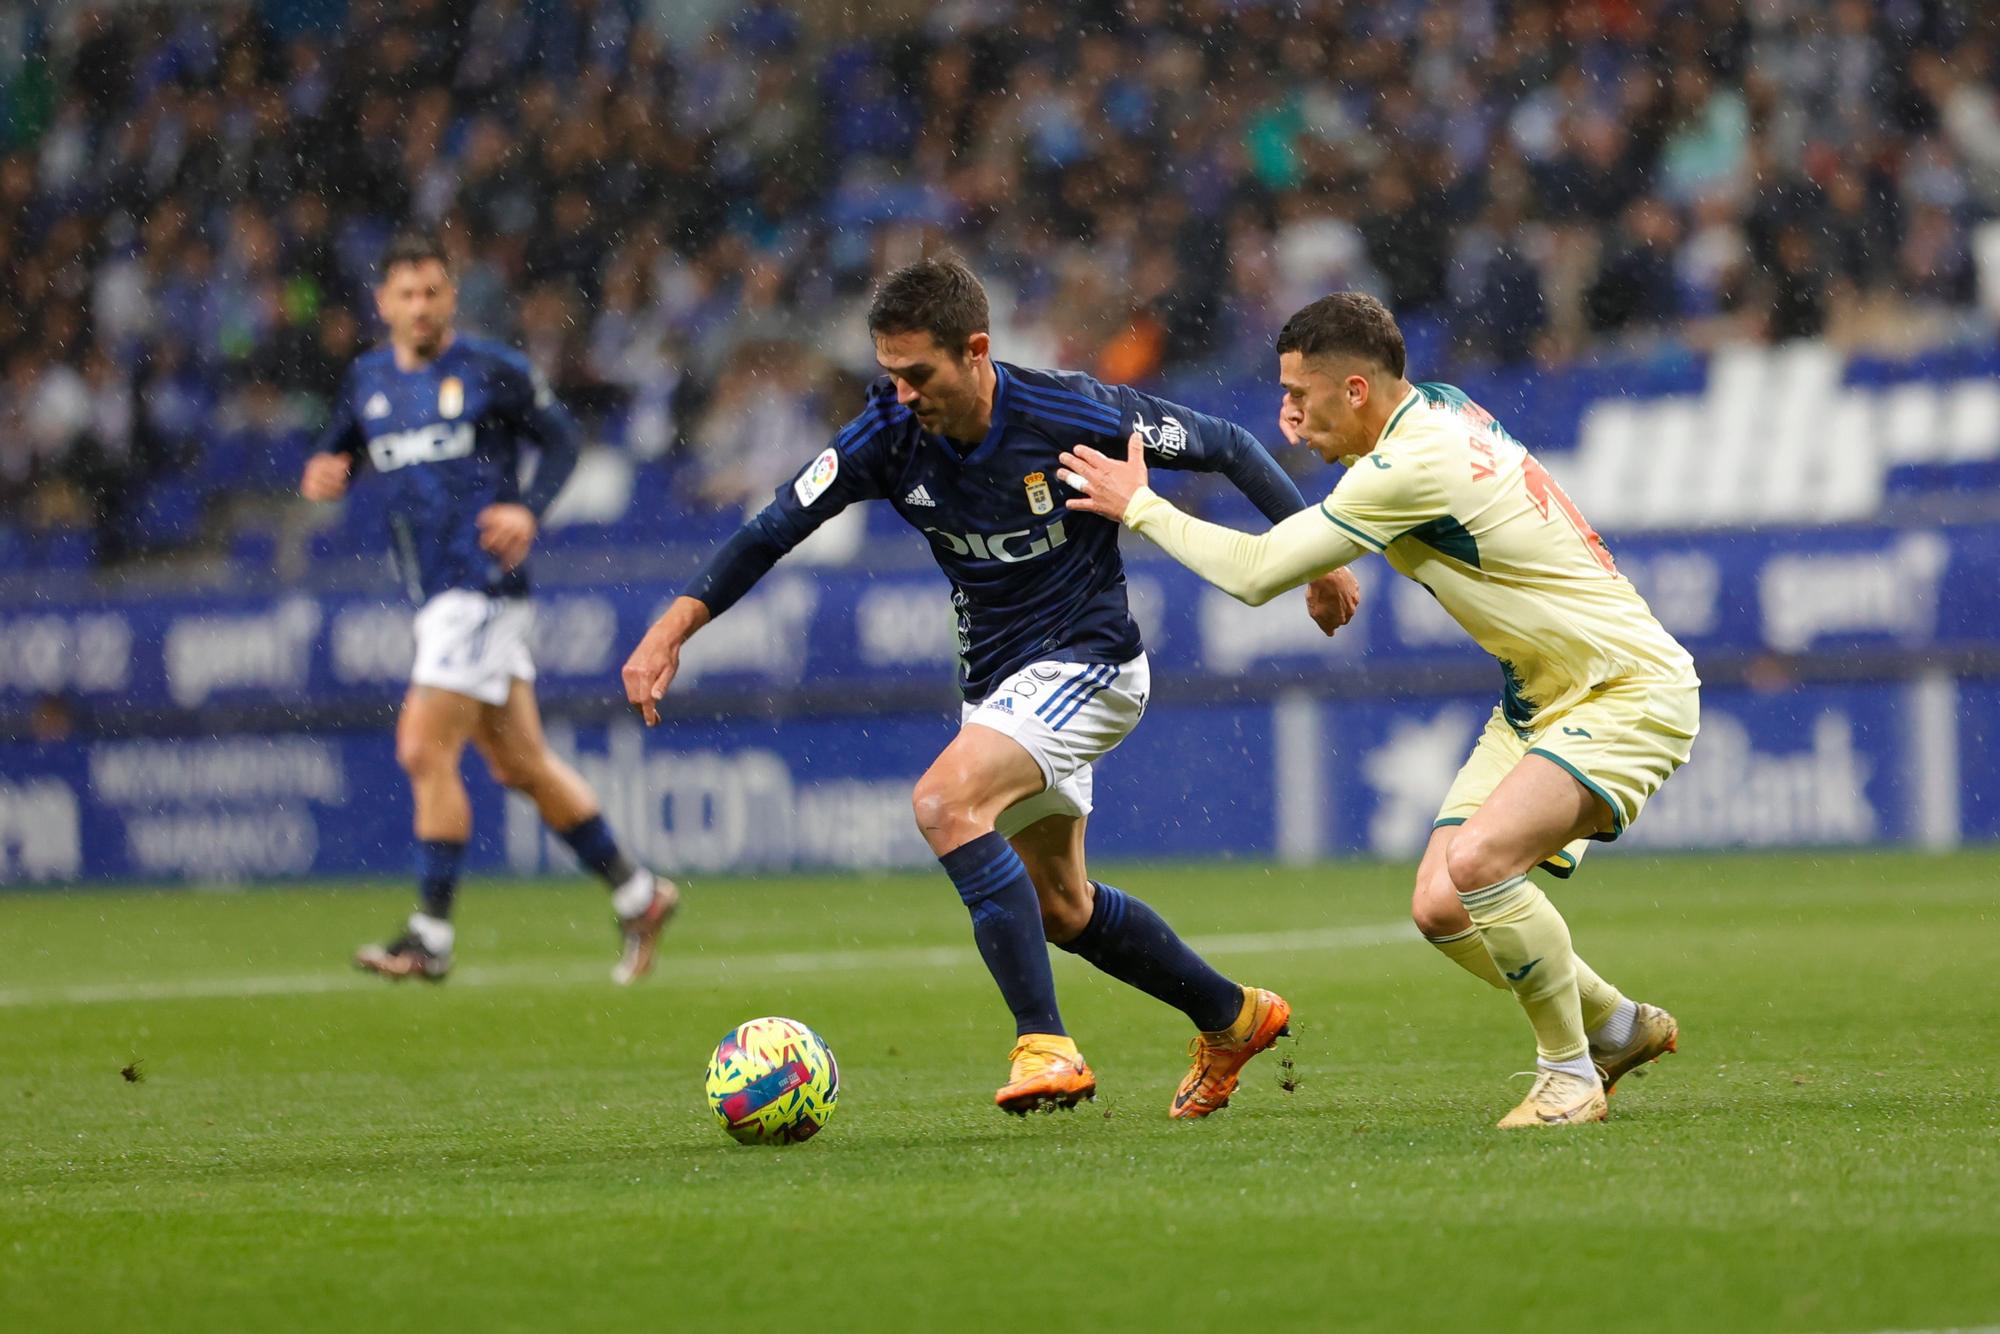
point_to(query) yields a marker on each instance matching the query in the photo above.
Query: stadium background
(1730, 268)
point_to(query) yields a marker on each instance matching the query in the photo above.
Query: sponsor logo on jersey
(451, 396)
(920, 496)
(426, 444)
(377, 407)
(1018, 545)
(1004, 704)
(1040, 499)
(1168, 439)
(813, 482)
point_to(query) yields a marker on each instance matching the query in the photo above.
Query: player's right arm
(846, 471)
(331, 466)
(1380, 499)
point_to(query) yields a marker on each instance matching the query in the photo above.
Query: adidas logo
(378, 406)
(920, 497)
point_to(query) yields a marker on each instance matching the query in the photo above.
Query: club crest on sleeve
(813, 482)
(451, 397)
(1040, 499)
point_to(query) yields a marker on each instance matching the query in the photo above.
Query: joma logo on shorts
(426, 444)
(1009, 547)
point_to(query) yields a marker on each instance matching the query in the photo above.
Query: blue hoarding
(1819, 593)
(1298, 776)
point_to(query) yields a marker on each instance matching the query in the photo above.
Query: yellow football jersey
(1457, 504)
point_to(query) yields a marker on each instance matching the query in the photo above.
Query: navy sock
(1007, 924)
(1134, 944)
(594, 846)
(437, 875)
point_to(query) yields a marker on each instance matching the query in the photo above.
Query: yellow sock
(1468, 951)
(1529, 942)
(1598, 999)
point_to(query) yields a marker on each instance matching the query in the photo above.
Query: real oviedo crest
(451, 397)
(1040, 499)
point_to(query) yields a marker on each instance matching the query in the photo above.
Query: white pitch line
(674, 969)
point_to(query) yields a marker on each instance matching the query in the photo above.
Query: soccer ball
(773, 1081)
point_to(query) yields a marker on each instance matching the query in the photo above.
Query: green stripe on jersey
(1447, 537)
(1408, 403)
(1374, 543)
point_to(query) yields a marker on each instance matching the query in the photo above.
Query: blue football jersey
(447, 440)
(1031, 580)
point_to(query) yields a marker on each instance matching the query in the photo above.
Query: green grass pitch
(526, 1147)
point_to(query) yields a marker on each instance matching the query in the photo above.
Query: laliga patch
(1040, 499)
(813, 482)
(451, 397)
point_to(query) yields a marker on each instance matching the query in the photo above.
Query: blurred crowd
(681, 234)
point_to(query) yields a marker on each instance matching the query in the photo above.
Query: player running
(1599, 704)
(443, 419)
(1051, 667)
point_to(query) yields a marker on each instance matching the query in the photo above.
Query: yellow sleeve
(1251, 567)
(1383, 496)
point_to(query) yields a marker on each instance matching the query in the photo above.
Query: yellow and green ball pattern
(773, 1081)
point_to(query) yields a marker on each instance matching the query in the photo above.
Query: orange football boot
(1219, 1058)
(1048, 1073)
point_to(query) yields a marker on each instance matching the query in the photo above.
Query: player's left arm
(1251, 567)
(534, 414)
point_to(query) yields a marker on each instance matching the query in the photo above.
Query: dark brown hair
(1350, 323)
(938, 296)
(413, 248)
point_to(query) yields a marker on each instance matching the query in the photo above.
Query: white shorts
(1065, 714)
(472, 644)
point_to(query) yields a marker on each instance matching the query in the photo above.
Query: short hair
(413, 247)
(1353, 323)
(938, 296)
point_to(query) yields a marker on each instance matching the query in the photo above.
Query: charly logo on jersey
(1019, 545)
(451, 396)
(377, 407)
(1040, 499)
(1167, 440)
(813, 482)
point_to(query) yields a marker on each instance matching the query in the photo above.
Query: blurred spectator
(1635, 282)
(190, 204)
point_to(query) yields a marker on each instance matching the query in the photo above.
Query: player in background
(1599, 704)
(442, 418)
(1052, 670)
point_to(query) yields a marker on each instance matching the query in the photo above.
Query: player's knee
(420, 756)
(515, 772)
(1064, 916)
(942, 813)
(1475, 861)
(1435, 908)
